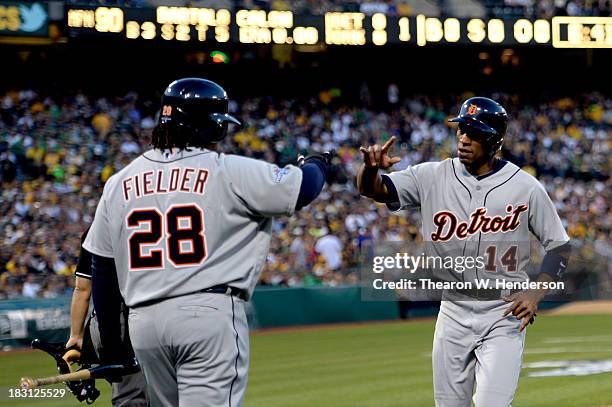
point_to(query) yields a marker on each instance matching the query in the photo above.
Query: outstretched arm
(369, 181)
(313, 180)
(314, 169)
(370, 184)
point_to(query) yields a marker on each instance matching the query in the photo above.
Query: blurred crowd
(547, 9)
(56, 154)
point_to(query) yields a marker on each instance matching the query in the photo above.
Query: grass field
(378, 365)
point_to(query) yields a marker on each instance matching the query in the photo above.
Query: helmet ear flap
(213, 133)
(495, 145)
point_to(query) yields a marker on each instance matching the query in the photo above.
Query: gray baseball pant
(475, 346)
(193, 349)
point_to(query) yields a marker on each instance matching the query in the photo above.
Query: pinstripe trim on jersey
(497, 186)
(178, 159)
(87, 276)
(237, 349)
(454, 172)
(499, 164)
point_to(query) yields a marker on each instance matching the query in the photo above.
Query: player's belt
(485, 294)
(218, 289)
(226, 289)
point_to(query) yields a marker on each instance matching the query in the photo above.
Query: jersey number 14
(184, 237)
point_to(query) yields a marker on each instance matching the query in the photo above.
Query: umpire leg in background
(131, 390)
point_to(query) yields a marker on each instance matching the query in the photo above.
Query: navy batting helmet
(484, 119)
(196, 108)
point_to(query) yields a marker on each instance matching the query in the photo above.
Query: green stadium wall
(279, 307)
(49, 319)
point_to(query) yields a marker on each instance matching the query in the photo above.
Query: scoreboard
(334, 28)
(352, 29)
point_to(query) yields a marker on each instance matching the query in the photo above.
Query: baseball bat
(30, 383)
(92, 373)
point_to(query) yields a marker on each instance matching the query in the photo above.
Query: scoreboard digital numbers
(198, 24)
(333, 28)
(582, 32)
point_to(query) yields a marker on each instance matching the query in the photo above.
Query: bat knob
(26, 383)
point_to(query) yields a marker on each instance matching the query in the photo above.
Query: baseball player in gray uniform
(478, 205)
(183, 232)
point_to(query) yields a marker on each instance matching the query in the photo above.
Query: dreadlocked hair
(170, 135)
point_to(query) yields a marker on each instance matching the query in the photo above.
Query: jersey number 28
(184, 234)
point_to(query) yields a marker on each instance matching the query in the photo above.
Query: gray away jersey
(492, 217)
(177, 224)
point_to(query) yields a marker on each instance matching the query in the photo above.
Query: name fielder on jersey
(176, 179)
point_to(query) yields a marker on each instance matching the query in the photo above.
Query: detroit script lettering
(448, 225)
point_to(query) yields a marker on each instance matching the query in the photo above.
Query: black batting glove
(325, 158)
